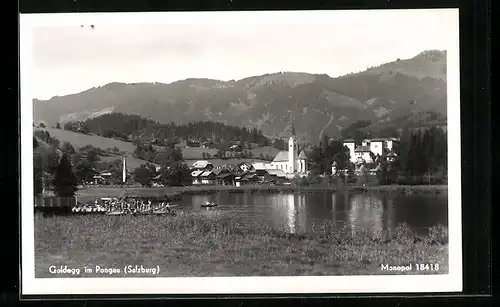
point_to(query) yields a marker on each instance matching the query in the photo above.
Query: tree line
(421, 158)
(134, 127)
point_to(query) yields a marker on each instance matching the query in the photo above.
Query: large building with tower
(370, 148)
(291, 162)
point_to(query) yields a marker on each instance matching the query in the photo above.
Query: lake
(297, 212)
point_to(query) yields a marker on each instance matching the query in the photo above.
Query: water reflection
(298, 212)
(366, 212)
(290, 211)
(289, 204)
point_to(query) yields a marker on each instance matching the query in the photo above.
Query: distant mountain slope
(315, 103)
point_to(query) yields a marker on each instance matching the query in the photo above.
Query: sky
(69, 58)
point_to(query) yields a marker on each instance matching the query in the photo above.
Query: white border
(451, 282)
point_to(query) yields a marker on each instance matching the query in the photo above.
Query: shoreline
(174, 193)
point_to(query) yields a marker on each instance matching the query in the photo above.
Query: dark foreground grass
(200, 245)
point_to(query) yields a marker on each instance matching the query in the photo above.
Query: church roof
(282, 156)
(302, 155)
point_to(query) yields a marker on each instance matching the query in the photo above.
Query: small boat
(209, 204)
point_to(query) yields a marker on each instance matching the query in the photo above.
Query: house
(156, 181)
(226, 179)
(291, 162)
(363, 154)
(334, 168)
(277, 173)
(245, 167)
(249, 178)
(207, 144)
(391, 156)
(208, 177)
(195, 176)
(202, 165)
(369, 148)
(261, 166)
(235, 147)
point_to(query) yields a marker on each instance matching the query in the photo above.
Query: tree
(382, 173)
(177, 174)
(38, 173)
(84, 171)
(92, 156)
(67, 148)
(143, 175)
(58, 126)
(42, 125)
(351, 176)
(65, 182)
(170, 155)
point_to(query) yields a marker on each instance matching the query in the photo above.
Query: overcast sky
(71, 59)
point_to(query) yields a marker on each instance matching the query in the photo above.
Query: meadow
(191, 154)
(209, 244)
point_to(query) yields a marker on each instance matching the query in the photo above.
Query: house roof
(384, 139)
(261, 166)
(302, 155)
(348, 141)
(196, 173)
(334, 163)
(201, 164)
(392, 154)
(282, 156)
(362, 149)
(226, 175)
(157, 177)
(276, 172)
(249, 176)
(207, 173)
(217, 171)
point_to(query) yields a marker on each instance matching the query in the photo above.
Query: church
(291, 162)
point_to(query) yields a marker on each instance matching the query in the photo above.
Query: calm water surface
(300, 211)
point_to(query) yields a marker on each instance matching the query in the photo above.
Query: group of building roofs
(368, 151)
(203, 172)
(288, 164)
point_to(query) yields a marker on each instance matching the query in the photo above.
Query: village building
(195, 177)
(291, 162)
(202, 165)
(208, 177)
(245, 167)
(370, 149)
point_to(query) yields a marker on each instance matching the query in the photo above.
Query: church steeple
(293, 130)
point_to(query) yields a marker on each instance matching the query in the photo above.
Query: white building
(291, 162)
(370, 147)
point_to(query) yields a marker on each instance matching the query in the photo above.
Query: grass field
(191, 154)
(193, 244)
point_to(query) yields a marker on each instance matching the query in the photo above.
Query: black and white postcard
(241, 152)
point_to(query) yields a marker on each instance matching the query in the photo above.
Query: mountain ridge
(317, 103)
